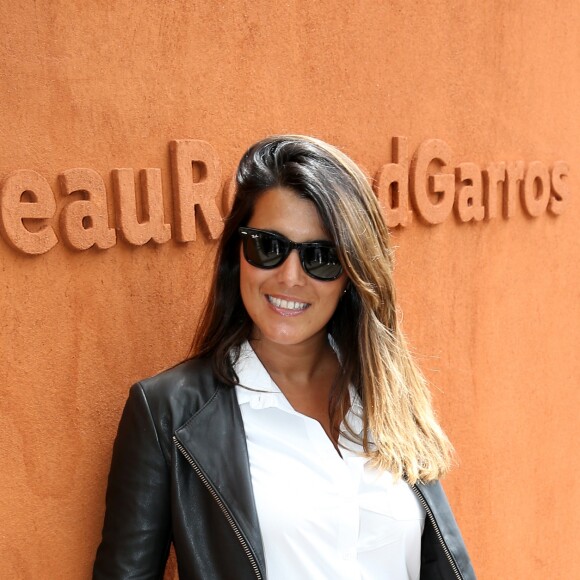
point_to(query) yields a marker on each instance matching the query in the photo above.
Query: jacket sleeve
(137, 528)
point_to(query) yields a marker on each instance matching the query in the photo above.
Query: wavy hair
(401, 433)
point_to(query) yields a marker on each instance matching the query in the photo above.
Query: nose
(290, 272)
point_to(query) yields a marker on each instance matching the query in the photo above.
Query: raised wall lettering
(197, 196)
(440, 184)
(493, 176)
(430, 185)
(515, 172)
(469, 195)
(152, 226)
(536, 192)
(560, 188)
(85, 222)
(392, 185)
(14, 210)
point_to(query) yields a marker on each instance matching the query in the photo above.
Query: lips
(287, 304)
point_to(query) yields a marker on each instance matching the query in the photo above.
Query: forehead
(283, 211)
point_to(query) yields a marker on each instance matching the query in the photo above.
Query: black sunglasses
(268, 250)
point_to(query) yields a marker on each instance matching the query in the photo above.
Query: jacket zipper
(431, 517)
(222, 507)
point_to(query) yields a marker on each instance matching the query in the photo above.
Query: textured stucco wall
(491, 307)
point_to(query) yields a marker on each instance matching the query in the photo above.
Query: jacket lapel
(216, 441)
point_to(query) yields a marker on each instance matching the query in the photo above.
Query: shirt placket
(346, 481)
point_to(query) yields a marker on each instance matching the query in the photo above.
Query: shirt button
(350, 554)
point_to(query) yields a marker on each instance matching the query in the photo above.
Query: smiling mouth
(287, 304)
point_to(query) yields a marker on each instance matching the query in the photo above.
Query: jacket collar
(216, 441)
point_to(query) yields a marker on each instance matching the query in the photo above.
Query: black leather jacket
(180, 474)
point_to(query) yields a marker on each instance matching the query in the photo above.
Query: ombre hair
(401, 433)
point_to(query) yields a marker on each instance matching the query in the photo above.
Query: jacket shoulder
(193, 375)
(177, 394)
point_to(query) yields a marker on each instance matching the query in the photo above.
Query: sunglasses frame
(246, 233)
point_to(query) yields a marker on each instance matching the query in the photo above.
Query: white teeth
(286, 304)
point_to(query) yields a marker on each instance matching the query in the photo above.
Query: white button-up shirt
(322, 516)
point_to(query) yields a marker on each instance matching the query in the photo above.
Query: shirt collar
(255, 386)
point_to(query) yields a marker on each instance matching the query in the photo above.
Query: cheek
(250, 280)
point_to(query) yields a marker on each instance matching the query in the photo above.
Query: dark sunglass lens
(322, 262)
(265, 250)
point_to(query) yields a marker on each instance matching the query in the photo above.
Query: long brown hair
(401, 433)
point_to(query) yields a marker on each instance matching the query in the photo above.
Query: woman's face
(287, 306)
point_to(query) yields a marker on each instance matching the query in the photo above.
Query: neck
(305, 374)
(298, 364)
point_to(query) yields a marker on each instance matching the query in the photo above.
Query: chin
(283, 338)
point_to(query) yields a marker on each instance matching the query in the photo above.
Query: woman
(299, 440)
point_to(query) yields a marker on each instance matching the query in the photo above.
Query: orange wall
(491, 307)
